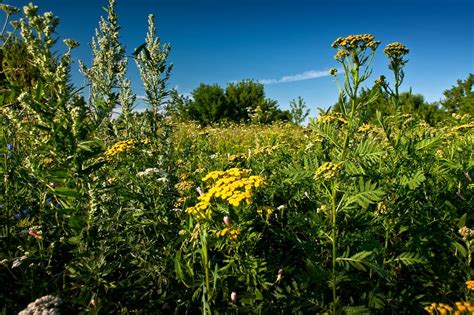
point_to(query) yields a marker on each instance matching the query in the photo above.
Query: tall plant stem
(205, 262)
(334, 247)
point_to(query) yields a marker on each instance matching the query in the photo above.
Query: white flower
(148, 171)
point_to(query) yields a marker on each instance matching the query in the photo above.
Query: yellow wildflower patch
(234, 186)
(470, 284)
(335, 117)
(119, 147)
(327, 170)
(233, 233)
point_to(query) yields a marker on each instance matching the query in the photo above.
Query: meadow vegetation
(366, 210)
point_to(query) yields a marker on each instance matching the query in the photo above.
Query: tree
(242, 102)
(297, 111)
(208, 104)
(249, 104)
(460, 98)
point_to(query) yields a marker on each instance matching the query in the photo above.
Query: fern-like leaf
(357, 260)
(368, 152)
(368, 194)
(408, 259)
(413, 181)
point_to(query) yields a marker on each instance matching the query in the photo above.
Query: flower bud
(227, 221)
(233, 297)
(466, 174)
(280, 274)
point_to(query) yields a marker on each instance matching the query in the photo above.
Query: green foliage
(460, 98)
(243, 102)
(363, 211)
(209, 104)
(298, 111)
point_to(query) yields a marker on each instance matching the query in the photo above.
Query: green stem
(334, 248)
(5, 25)
(205, 262)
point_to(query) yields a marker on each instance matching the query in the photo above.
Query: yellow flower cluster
(341, 54)
(234, 233)
(327, 170)
(263, 150)
(184, 186)
(234, 158)
(234, 186)
(396, 50)
(441, 308)
(466, 233)
(461, 127)
(365, 128)
(354, 41)
(180, 202)
(470, 284)
(338, 117)
(267, 210)
(119, 147)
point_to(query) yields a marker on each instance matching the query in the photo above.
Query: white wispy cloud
(307, 75)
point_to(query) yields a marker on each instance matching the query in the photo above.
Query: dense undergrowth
(141, 213)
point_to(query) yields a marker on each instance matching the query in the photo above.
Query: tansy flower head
(396, 50)
(356, 41)
(234, 186)
(119, 147)
(334, 117)
(470, 284)
(327, 170)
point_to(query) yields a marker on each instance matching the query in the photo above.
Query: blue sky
(220, 41)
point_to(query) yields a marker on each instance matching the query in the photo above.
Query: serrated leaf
(413, 181)
(427, 143)
(357, 260)
(368, 152)
(408, 259)
(367, 194)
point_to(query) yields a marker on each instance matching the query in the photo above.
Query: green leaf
(357, 261)
(139, 49)
(75, 240)
(367, 194)
(462, 221)
(460, 248)
(67, 192)
(430, 143)
(368, 152)
(413, 181)
(409, 259)
(356, 310)
(258, 295)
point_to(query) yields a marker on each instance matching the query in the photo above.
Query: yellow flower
(233, 233)
(470, 284)
(232, 186)
(365, 128)
(396, 50)
(335, 117)
(327, 170)
(461, 127)
(119, 147)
